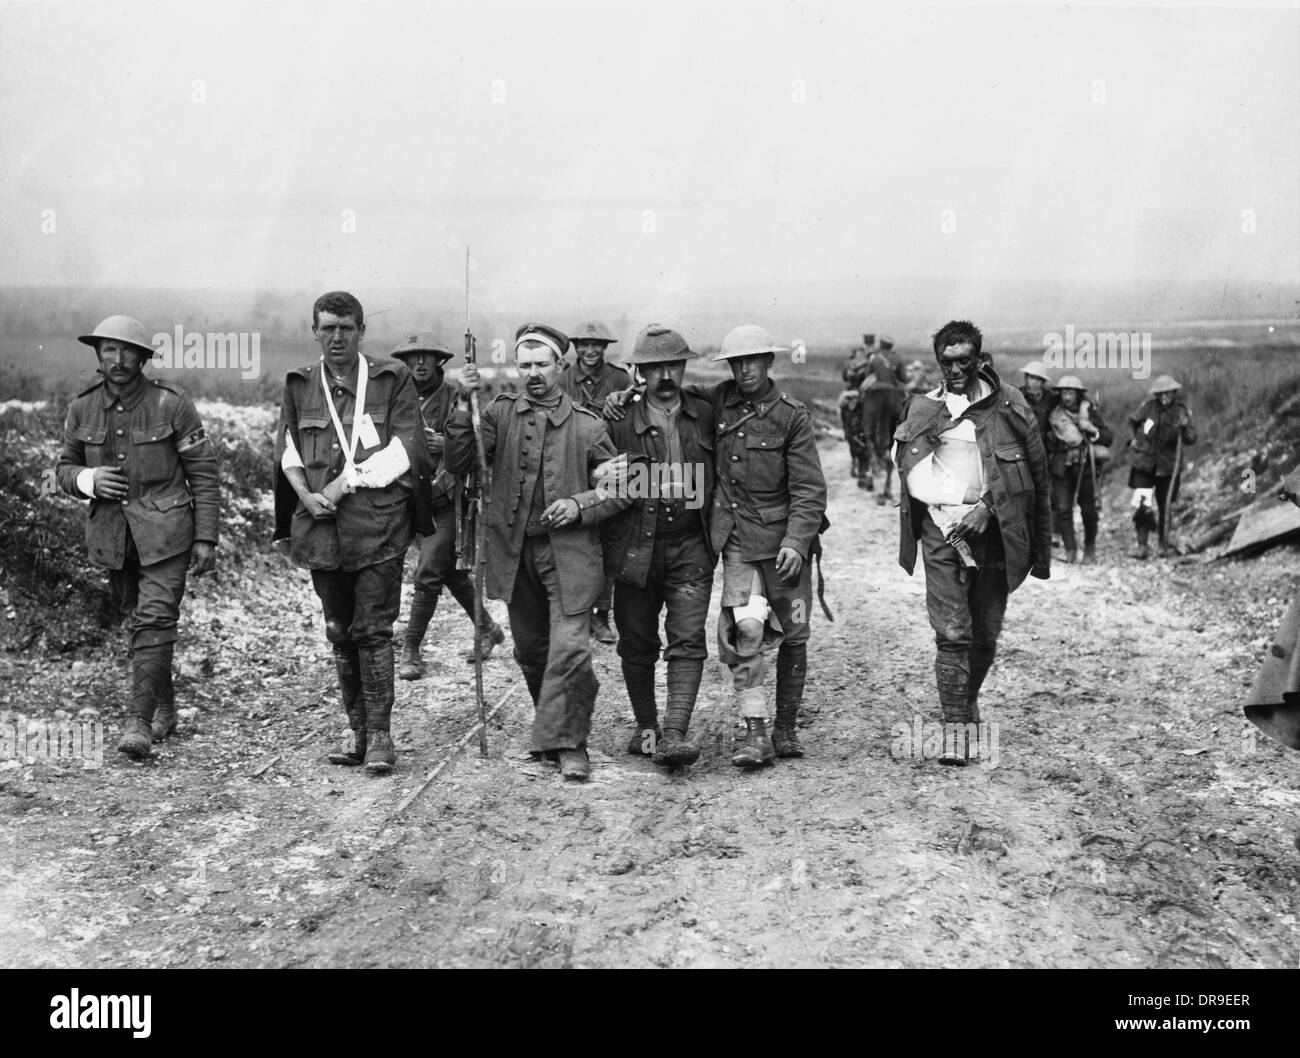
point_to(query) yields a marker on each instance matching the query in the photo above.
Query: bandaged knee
(750, 620)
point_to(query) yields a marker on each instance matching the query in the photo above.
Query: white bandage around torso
(942, 478)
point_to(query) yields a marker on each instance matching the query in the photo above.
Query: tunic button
(335, 446)
(735, 459)
(120, 433)
(120, 408)
(741, 434)
(124, 503)
(733, 506)
(121, 455)
(913, 451)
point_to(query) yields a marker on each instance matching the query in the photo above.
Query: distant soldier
(425, 357)
(588, 381)
(976, 495)
(543, 550)
(658, 550)
(1075, 425)
(352, 487)
(1037, 394)
(138, 450)
(853, 372)
(882, 389)
(1161, 425)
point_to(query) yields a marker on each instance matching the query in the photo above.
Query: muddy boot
(791, 671)
(952, 673)
(136, 738)
(493, 636)
(423, 605)
(1069, 542)
(377, 690)
(164, 717)
(981, 660)
(1143, 551)
(353, 751)
(684, 675)
(600, 630)
(149, 669)
(1089, 555)
(754, 748)
(640, 680)
(574, 764)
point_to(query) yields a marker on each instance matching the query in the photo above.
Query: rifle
(473, 512)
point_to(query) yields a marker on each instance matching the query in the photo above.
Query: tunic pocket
(1014, 467)
(315, 436)
(92, 443)
(155, 454)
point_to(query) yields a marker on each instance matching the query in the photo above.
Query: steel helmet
(422, 342)
(592, 331)
(1036, 369)
(1069, 382)
(123, 328)
(1164, 384)
(747, 340)
(660, 345)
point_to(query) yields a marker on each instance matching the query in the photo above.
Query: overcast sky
(614, 148)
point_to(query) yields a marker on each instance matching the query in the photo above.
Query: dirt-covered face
(1034, 386)
(664, 380)
(426, 369)
(750, 372)
(590, 354)
(121, 362)
(960, 366)
(340, 340)
(1070, 399)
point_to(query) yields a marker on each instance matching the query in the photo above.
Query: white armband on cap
(383, 468)
(291, 458)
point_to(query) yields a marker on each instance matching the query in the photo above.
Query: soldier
(353, 484)
(588, 381)
(975, 493)
(1161, 425)
(769, 507)
(137, 449)
(425, 357)
(658, 550)
(542, 540)
(1037, 394)
(853, 373)
(883, 390)
(1075, 425)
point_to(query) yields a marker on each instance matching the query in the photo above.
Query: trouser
(605, 600)
(360, 607)
(788, 628)
(436, 568)
(966, 608)
(1063, 486)
(149, 598)
(680, 581)
(554, 651)
(1141, 479)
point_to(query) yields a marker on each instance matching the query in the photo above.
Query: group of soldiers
(876, 381)
(604, 492)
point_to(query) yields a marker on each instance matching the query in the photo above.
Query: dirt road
(1129, 816)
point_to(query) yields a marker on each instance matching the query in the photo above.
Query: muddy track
(1130, 818)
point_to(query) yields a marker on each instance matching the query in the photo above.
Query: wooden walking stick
(471, 348)
(1168, 519)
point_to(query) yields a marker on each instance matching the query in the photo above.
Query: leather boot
(423, 605)
(377, 689)
(952, 673)
(791, 672)
(574, 764)
(493, 636)
(164, 717)
(149, 667)
(640, 680)
(1144, 549)
(754, 748)
(600, 630)
(684, 676)
(1069, 542)
(353, 751)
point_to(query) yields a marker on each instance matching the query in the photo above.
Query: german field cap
(660, 345)
(1164, 384)
(422, 342)
(540, 332)
(1036, 369)
(1069, 382)
(592, 331)
(123, 328)
(887, 341)
(747, 340)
